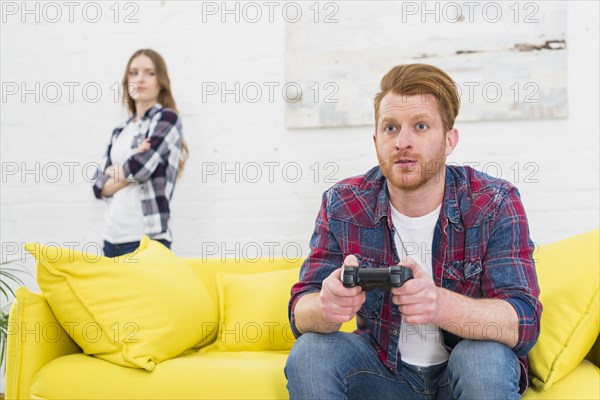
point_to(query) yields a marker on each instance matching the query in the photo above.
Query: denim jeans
(345, 365)
(118, 249)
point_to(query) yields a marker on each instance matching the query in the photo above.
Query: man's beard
(416, 177)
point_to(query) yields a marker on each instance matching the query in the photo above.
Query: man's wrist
(445, 302)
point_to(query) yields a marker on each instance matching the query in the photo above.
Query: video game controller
(372, 278)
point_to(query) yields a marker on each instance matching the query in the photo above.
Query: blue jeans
(118, 249)
(345, 365)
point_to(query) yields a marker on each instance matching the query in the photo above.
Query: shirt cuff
(528, 325)
(127, 173)
(292, 316)
(99, 185)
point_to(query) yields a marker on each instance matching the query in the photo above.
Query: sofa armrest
(35, 338)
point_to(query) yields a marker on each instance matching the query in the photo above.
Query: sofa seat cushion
(581, 383)
(193, 375)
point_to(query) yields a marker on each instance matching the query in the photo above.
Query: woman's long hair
(165, 97)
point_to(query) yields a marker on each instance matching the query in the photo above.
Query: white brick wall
(564, 152)
(216, 209)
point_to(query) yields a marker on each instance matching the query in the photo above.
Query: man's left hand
(417, 298)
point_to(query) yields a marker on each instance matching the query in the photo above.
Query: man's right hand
(338, 303)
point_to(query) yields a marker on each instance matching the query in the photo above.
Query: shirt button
(394, 332)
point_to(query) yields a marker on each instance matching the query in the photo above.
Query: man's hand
(338, 303)
(417, 298)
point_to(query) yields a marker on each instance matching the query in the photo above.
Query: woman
(145, 156)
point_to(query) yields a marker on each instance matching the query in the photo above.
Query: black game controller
(372, 278)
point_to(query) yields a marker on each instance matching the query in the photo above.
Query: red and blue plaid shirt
(481, 249)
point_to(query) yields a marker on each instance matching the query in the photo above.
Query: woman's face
(143, 84)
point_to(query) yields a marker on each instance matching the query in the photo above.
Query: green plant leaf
(8, 275)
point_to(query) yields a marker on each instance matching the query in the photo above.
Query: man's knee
(312, 350)
(479, 352)
(479, 369)
(316, 365)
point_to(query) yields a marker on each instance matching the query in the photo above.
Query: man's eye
(421, 126)
(390, 128)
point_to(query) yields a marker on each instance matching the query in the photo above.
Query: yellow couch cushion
(208, 268)
(568, 276)
(253, 311)
(136, 310)
(594, 354)
(583, 383)
(193, 375)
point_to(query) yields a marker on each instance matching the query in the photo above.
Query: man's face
(410, 140)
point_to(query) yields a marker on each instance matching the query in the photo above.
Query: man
(462, 327)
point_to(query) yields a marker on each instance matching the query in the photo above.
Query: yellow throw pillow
(253, 311)
(135, 310)
(568, 275)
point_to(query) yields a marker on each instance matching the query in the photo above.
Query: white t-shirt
(419, 344)
(123, 218)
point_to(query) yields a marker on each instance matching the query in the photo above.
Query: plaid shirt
(481, 248)
(155, 170)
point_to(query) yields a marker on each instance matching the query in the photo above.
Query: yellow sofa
(45, 364)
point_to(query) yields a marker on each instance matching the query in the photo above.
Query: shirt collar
(451, 197)
(382, 209)
(152, 111)
(450, 206)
